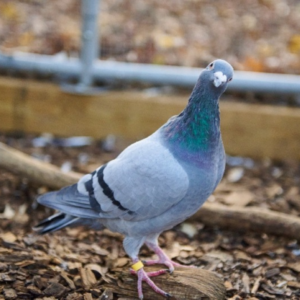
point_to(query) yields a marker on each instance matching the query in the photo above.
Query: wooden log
(212, 214)
(36, 171)
(184, 283)
(249, 219)
(247, 129)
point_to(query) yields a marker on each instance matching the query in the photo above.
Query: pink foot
(167, 262)
(145, 276)
(163, 259)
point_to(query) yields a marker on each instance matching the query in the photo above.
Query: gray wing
(142, 182)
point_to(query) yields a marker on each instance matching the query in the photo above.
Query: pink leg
(145, 276)
(162, 258)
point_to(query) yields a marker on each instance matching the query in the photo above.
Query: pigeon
(155, 183)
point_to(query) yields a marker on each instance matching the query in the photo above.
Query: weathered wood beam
(248, 130)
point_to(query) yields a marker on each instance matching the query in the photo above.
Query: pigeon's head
(218, 73)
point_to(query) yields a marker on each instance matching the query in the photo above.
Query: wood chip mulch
(78, 263)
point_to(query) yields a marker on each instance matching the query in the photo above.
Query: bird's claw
(153, 273)
(144, 276)
(167, 295)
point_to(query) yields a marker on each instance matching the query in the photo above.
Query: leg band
(137, 266)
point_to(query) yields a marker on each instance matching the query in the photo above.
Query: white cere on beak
(219, 78)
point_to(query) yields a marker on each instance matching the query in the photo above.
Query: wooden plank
(43, 107)
(261, 130)
(248, 130)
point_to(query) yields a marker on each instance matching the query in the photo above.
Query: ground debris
(10, 294)
(55, 289)
(79, 263)
(34, 290)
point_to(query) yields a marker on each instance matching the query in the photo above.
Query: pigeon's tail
(74, 209)
(62, 220)
(56, 222)
(69, 201)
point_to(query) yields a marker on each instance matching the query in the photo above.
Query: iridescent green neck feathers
(197, 128)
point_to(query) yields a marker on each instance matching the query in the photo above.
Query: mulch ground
(76, 263)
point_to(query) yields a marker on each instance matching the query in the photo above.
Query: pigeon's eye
(229, 79)
(211, 66)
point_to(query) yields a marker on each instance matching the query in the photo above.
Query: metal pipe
(162, 75)
(89, 41)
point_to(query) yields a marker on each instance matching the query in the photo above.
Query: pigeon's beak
(219, 78)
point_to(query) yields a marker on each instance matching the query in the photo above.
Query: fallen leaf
(294, 44)
(8, 213)
(256, 285)
(239, 199)
(235, 174)
(88, 278)
(294, 284)
(246, 283)
(221, 255)
(8, 237)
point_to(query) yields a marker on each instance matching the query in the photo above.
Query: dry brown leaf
(68, 280)
(294, 266)
(240, 255)
(55, 289)
(235, 297)
(88, 296)
(287, 276)
(5, 250)
(8, 213)
(238, 198)
(74, 266)
(34, 290)
(98, 250)
(294, 284)
(272, 272)
(25, 263)
(88, 278)
(294, 44)
(121, 262)
(221, 255)
(271, 289)
(253, 64)
(101, 271)
(246, 283)
(10, 294)
(228, 285)
(10, 11)
(274, 190)
(256, 285)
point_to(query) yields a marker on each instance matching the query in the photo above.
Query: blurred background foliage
(254, 35)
